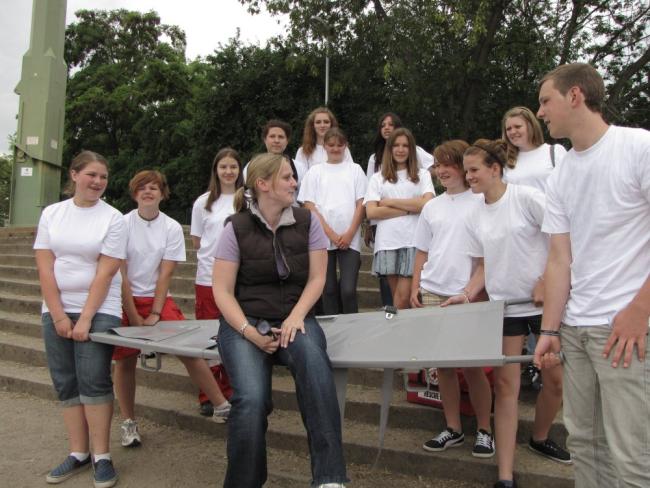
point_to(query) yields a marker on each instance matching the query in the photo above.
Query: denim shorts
(80, 371)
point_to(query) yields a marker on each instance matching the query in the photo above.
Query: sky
(206, 24)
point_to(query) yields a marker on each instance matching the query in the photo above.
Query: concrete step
(20, 293)
(363, 393)
(402, 452)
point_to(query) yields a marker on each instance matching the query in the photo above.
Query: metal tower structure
(36, 175)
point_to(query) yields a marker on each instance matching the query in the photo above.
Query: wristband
(552, 333)
(242, 329)
(60, 320)
(154, 313)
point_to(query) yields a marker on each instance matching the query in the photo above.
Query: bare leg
(99, 425)
(402, 292)
(124, 381)
(548, 403)
(77, 428)
(481, 396)
(506, 407)
(202, 377)
(450, 394)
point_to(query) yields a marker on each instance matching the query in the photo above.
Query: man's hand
(630, 328)
(547, 352)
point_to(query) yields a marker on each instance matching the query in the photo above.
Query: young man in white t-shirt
(597, 283)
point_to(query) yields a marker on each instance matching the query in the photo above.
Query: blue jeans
(80, 371)
(249, 369)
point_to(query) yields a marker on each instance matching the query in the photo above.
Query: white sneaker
(130, 435)
(332, 485)
(221, 413)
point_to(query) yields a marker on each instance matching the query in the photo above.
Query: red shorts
(204, 306)
(170, 311)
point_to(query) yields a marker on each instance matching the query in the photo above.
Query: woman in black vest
(271, 264)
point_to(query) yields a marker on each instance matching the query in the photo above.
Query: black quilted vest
(260, 290)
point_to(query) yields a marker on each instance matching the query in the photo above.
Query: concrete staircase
(168, 398)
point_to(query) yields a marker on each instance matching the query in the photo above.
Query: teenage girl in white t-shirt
(395, 198)
(442, 268)
(209, 212)
(387, 123)
(155, 245)
(505, 236)
(334, 191)
(312, 152)
(80, 245)
(530, 160)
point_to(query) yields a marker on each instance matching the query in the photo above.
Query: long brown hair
(214, 188)
(388, 165)
(309, 138)
(78, 163)
(535, 133)
(491, 151)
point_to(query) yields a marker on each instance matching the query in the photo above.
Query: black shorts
(516, 326)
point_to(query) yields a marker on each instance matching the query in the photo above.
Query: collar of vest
(286, 217)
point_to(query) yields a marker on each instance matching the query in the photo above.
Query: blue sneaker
(67, 468)
(105, 475)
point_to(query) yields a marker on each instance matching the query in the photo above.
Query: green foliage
(6, 164)
(449, 68)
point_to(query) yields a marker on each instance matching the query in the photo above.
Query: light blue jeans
(249, 369)
(606, 411)
(80, 371)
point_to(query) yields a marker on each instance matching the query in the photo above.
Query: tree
(6, 165)
(128, 93)
(457, 66)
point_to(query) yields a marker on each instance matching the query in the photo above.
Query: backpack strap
(552, 151)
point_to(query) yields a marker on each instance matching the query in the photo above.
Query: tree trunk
(480, 58)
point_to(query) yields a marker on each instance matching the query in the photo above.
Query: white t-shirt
(442, 233)
(534, 167)
(397, 232)
(425, 161)
(77, 236)
(335, 190)
(507, 234)
(148, 244)
(601, 197)
(304, 163)
(208, 226)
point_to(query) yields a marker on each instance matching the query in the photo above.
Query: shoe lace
(443, 436)
(484, 440)
(130, 427)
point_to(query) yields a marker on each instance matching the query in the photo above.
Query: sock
(99, 457)
(80, 456)
(508, 483)
(223, 405)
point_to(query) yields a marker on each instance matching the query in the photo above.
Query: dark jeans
(340, 293)
(249, 369)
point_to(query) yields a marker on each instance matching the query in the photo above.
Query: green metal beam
(36, 176)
